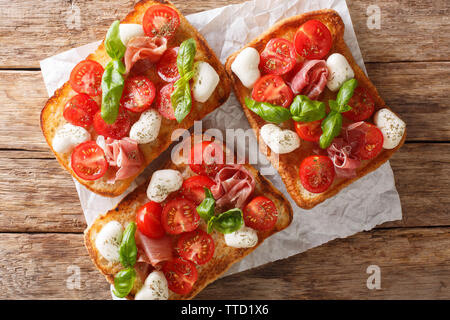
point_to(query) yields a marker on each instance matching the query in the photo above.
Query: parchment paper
(370, 201)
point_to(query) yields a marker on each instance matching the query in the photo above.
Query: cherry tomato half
(161, 21)
(260, 214)
(180, 215)
(88, 161)
(86, 77)
(80, 110)
(196, 246)
(148, 220)
(313, 40)
(278, 57)
(164, 103)
(207, 158)
(370, 143)
(117, 130)
(317, 173)
(362, 105)
(309, 131)
(181, 275)
(193, 188)
(272, 89)
(138, 94)
(167, 67)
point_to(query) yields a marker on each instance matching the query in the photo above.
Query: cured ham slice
(143, 47)
(345, 163)
(154, 251)
(125, 155)
(311, 79)
(234, 184)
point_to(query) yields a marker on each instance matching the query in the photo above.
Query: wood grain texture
(39, 196)
(35, 266)
(33, 30)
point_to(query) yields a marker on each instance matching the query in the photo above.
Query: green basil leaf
(112, 87)
(331, 127)
(346, 92)
(185, 58)
(333, 105)
(113, 44)
(228, 221)
(305, 110)
(267, 111)
(123, 282)
(127, 249)
(210, 225)
(181, 101)
(206, 209)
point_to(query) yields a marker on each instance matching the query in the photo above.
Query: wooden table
(41, 221)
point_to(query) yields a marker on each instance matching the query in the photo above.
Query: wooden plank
(31, 31)
(414, 90)
(413, 262)
(38, 196)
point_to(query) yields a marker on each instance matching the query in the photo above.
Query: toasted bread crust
(288, 164)
(224, 256)
(52, 113)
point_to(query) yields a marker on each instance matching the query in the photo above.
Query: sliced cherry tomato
(370, 143)
(161, 21)
(117, 130)
(196, 246)
(260, 214)
(362, 105)
(180, 215)
(278, 57)
(167, 67)
(88, 161)
(317, 173)
(163, 102)
(138, 94)
(313, 40)
(86, 77)
(80, 110)
(207, 158)
(148, 220)
(272, 89)
(193, 188)
(309, 131)
(181, 275)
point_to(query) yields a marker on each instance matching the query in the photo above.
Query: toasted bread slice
(288, 164)
(224, 256)
(52, 113)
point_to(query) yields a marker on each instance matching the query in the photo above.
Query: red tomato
(86, 77)
(207, 158)
(88, 161)
(193, 188)
(278, 57)
(362, 105)
(260, 214)
(148, 220)
(163, 102)
(138, 94)
(181, 275)
(317, 173)
(161, 21)
(196, 246)
(370, 143)
(313, 40)
(180, 215)
(167, 67)
(117, 130)
(309, 131)
(80, 110)
(272, 89)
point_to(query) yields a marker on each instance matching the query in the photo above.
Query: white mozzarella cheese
(246, 66)
(245, 237)
(146, 129)
(68, 136)
(108, 241)
(162, 183)
(279, 141)
(340, 71)
(392, 127)
(206, 80)
(155, 287)
(128, 31)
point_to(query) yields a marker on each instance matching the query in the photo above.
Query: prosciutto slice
(125, 155)
(234, 184)
(143, 47)
(153, 251)
(345, 163)
(311, 79)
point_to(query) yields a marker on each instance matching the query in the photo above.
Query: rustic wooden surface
(41, 221)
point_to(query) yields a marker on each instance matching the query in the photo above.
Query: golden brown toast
(52, 113)
(224, 256)
(288, 164)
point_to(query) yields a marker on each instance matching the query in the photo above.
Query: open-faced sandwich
(180, 231)
(152, 74)
(316, 115)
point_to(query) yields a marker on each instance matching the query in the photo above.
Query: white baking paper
(368, 202)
